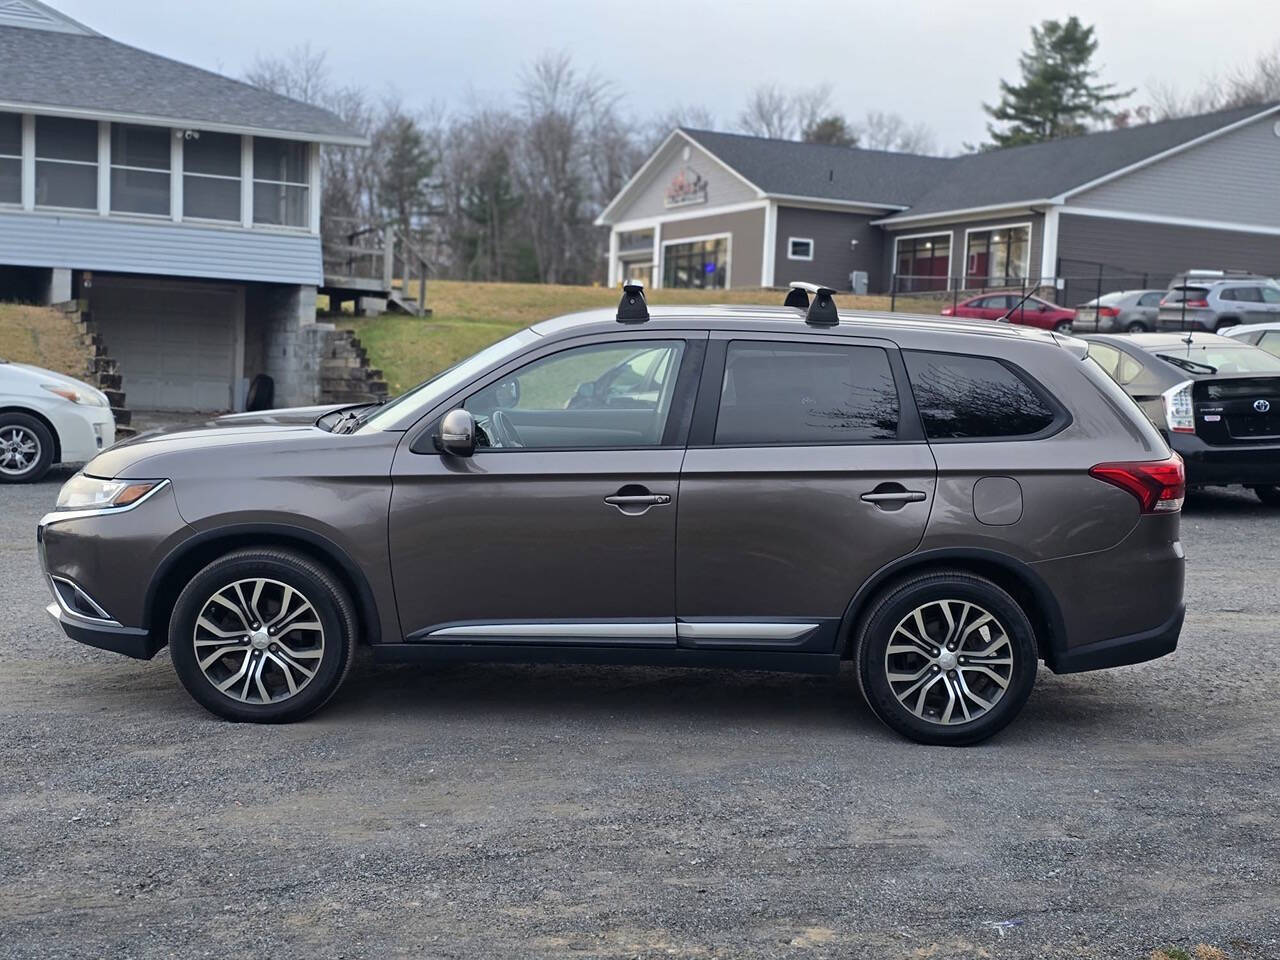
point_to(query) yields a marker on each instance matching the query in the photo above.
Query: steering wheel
(504, 430)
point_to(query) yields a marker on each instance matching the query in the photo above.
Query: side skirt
(827, 663)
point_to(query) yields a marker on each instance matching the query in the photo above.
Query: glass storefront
(921, 263)
(702, 264)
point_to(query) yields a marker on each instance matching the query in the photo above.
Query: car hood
(134, 456)
(29, 373)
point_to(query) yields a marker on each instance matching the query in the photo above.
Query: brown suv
(944, 502)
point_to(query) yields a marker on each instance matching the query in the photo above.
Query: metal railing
(930, 294)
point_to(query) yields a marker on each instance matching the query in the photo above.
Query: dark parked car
(945, 503)
(1127, 311)
(1215, 399)
(1032, 312)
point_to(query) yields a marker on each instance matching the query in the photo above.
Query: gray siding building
(1128, 207)
(181, 206)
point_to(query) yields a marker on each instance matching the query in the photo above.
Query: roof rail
(632, 307)
(821, 312)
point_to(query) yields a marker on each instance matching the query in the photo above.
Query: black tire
(898, 601)
(1137, 326)
(24, 425)
(316, 586)
(1268, 493)
(1062, 326)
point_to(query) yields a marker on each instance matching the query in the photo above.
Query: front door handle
(639, 500)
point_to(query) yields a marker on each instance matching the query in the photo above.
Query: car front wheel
(946, 658)
(1063, 326)
(263, 636)
(26, 448)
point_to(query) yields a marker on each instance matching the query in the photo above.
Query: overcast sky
(930, 61)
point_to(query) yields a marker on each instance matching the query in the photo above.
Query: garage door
(178, 344)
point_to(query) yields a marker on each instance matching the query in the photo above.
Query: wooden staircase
(373, 265)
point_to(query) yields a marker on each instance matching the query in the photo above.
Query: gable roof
(1040, 171)
(56, 66)
(823, 171)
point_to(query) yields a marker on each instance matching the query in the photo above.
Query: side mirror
(457, 436)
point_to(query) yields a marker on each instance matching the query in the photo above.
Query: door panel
(784, 534)
(511, 536)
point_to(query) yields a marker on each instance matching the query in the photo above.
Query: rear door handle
(902, 496)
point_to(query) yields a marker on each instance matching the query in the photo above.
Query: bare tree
(300, 73)
(769, 113)
(889, 131)
(1250, 84)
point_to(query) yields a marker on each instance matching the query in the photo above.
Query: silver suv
(945, 503)
(1218, 304)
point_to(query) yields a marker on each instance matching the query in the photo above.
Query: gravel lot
(510, 811)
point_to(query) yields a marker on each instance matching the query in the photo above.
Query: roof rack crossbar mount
(632, 308)
(821, 310)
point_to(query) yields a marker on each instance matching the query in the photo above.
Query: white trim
(944, 216)
(246, 182)
(728, 253)
(951, 248)
(177, 183)
(1031, 232)
(791, 240)
(656, 271)
(611, 273)
(1156, 158)
(865, 206)
(104, 169)
(313, 177)
(1228, 225)
(28, 162)
(63, 213)
(1049, 246)
(603, 219)
(769, 265)
(645, 223)
(114, 116)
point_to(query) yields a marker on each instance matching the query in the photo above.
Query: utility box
(858, 282)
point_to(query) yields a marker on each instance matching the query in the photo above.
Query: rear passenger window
(806, 393)
(966, 397)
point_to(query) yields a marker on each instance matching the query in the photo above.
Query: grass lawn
(468, 316)
(41, 336)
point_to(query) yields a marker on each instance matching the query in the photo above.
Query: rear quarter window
(964, 397)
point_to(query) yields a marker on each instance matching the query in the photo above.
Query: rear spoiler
(1077, 347)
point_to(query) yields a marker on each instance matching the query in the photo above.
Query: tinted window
(812, 393)
(602, 395)
(964, 396)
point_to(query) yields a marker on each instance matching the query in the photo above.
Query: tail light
(1179, 413)
(1108, 312)
(946, 311)
(1159, 485)
(1197, 303)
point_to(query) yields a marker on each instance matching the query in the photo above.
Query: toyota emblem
(1262, 406)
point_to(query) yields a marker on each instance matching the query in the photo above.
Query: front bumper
(84, 432)
(1250, 464)
(1122, 651)
(131, 641)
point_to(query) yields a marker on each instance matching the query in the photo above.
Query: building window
(10, 158)
(799, 248)
(211, 177)
(702, 264)
(922, 263)
(66, 163)
(998, 256)
(281, 185)
(140, 169)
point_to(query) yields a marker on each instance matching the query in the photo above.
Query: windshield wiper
(1192, 366)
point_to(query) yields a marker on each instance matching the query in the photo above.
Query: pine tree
(1059, 93)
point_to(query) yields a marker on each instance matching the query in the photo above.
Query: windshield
(1222, 359)
(426, 394)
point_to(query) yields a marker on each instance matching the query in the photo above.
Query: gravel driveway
(512, 811)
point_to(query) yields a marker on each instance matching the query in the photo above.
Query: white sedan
(48, 418)
(1264, 335)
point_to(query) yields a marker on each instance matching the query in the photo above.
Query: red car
(1034, 313)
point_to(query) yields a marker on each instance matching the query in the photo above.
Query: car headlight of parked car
(90, 493)
(80, 395)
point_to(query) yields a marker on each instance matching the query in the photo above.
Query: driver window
(601, 395)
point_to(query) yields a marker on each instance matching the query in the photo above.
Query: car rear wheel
(946, 658)
(26, 448)
(1269, 494)
(263, 636)
(1137, 326)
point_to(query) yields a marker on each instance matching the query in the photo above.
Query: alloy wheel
(19, 450)
(258, 641)
(949, 661)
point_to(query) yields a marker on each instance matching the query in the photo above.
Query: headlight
(81, 395)
(90, 493)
